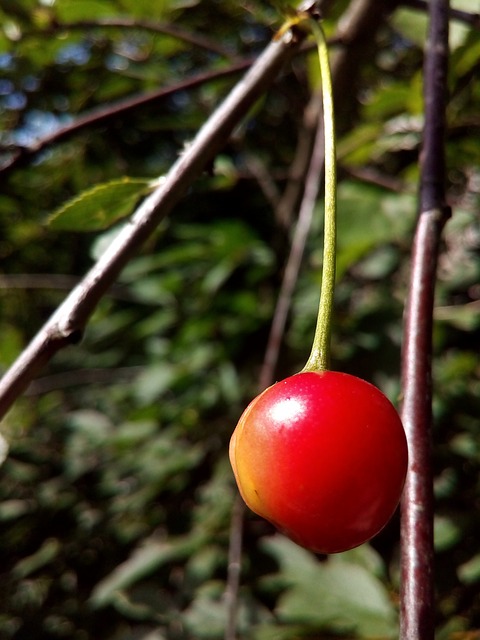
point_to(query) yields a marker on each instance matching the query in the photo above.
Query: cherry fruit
(323, 456)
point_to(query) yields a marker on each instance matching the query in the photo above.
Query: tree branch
(67, 323)
(417, 593)
(20, 156)
(162, 28)
(55, 281)
(77, 377)
(234, 567)
(457, 14)
(356, 36)
(292, 268)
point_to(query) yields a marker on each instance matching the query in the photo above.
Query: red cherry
(323, 456)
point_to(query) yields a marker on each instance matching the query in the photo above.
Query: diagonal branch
(162, 28)
(20, 156)
(67, 323)
(292, 268)
(456, 14)
(417, 594)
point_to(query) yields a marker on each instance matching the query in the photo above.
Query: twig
(163, 28)
(67, 323)
(372, 176)
(292, 268)
(77, 377)
(234, 567)
(264, 179)
(57, 282)
(97, 117)
(457, 14)
(292, 193)
(417, 592)
(356, 35)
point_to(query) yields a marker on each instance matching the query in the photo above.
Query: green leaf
(3, 456)
(10, 344)
(339, 594)
(84, 9)
(143, 8)
(144, 561)
(103, 205)
(155, 380)
(412, 25)
(466, 57)
(469, 572)
(206, 617)
(465, 317)
(447, 533)
(277, 632)
(12, 509)
(46, 554)
(465, 445)
(369, 217)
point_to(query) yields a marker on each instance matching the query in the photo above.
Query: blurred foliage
(116, 495)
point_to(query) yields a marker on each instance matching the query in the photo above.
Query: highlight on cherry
(322, 454)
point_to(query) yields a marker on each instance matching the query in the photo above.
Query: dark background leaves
(116, 495)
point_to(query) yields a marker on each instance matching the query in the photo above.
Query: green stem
(319, 358)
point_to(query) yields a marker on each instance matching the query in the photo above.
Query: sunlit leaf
(465, 317)
(469, 572)
(102, 206)
(84, 9)
(337, 594)
(367, 217)
(3, 455)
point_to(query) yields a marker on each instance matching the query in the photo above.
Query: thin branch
(432, 158)
(372, 176)
(356, 36)
(67, 323)
(299, 167)
(292, 268)
(264, 178)
(162, 28)
(472, 19)
(417, 553)
(20, 156)
(234, 567)
(57, 282)
(75, 378)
